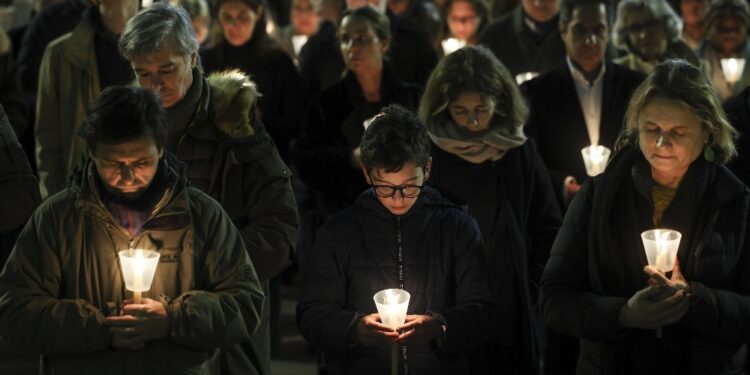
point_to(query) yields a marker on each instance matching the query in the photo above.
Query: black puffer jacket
(597, 263)
(359, 252)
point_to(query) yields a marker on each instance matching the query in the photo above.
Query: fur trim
(234, 99)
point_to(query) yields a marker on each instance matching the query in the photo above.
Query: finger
(122, 320)
(123, 331)
(657, 275)
(377, 326)
(409, 325)
(135, 310)
(406, 335)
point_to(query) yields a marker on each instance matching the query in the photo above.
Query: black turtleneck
(540, 30)
(113, 68)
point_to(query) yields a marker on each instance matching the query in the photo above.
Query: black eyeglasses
(387, 191)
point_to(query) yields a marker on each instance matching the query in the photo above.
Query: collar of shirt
(579, 78)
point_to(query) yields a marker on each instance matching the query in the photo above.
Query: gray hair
(159, 26)
(661, 11)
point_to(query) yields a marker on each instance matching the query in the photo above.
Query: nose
(398, 195)
(156, 82)
(126, 174)
(473, 119)
(663, 140)
(591, 39)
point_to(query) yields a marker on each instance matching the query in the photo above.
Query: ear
(193, 60)
(385, 43)
(161, 152)
(365, 173)
(562, 27)
(427, 169)
(260, 11)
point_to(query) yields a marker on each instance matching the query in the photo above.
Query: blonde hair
(681, 82)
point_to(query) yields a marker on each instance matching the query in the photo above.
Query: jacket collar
(79, 49)
(428, 197)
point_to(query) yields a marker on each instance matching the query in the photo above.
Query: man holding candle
(668, 173)
(62, 291)
(583, 101)
(399, 234)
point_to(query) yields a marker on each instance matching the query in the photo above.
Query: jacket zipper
(400, 253)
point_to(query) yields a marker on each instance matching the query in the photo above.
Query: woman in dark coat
(327, 154)
(475, 114)
(668, 172)
(246, 46)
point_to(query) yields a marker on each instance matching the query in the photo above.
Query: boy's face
(397, 191)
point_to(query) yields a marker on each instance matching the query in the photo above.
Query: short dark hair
(379, 22)
(394, 138)
(568, 6)
(121, 114)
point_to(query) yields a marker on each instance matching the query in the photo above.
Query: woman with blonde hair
(668, 172)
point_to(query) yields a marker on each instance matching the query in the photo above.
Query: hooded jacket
(64, 278)
(434, 250)
(597, 264)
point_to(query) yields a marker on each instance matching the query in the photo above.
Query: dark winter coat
(738, 113)
(320, 61)
(360, 251)
(597, 264)
(333, 130)
(63, 279)
(514, 45)
(282, 96)
(513, 203)
(556, 120)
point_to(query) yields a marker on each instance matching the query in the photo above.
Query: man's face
(541, 10)
(585, 36)
(166, 73)
(408, 181)
(127, 169)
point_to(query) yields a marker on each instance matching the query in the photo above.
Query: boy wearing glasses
(399, 234)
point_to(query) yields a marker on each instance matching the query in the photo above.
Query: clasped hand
(138, 324)
(418, 330)
(665, 301)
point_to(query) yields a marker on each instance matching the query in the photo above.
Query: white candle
(732, 69)
(661, 247)
(595, 159)
(451, 45)
(138, 268)
(523, 77)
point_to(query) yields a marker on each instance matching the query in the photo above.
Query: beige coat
(68, 83)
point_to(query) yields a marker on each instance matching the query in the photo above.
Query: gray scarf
(474, 147)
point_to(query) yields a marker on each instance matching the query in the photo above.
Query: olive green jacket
(63, 278)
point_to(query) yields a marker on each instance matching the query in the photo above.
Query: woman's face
(646, 34)
(361, 48)
(671, 136)
(304, 18)
(238, 21)
(728, 35)
(462, 20)
(471, 111)
(693, 11)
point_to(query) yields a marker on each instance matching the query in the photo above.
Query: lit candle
(661, 247)
(451, 45)
(138, 268)
(595, 159)
(392, 305)
(732, 69)
(523, 77)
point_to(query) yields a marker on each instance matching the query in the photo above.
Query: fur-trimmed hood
(234, 102)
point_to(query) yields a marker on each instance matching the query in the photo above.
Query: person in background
(693, 13)
(583, 101)
(327, 155)
(320, 62)
(213, 125)
(75, 68)
(464, 22)
(200, 17)
(304, 24)
(246, 46)
(401, 234)
(474, 114)
(727, 24)
(668, 172)
(649, 31)
(62, 292)
(528, 39)
(419, 16)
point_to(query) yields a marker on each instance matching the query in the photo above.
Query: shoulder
(541, 84)
(627, 75)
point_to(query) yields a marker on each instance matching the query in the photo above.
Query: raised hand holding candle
(595, 159)
(451, 45)
(138, 268)
(732, 69)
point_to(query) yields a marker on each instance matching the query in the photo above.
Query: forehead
(589, 14)
(234, 6)
(461, 6)
(468, 98)
(137, 148)
(164, 56)
(355, 25)
(669, 113)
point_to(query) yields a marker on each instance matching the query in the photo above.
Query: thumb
(648, 292)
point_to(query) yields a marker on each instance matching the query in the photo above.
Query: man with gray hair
(213, 126)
